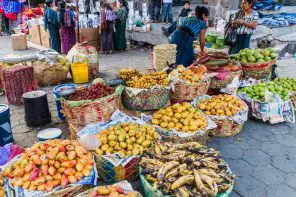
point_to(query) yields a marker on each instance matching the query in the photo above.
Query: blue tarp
(277, 20)
(267, 5)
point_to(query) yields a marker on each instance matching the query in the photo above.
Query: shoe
(165, 31)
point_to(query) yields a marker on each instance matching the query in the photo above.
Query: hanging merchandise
(136, 21)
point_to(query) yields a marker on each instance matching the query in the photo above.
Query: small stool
(17, 80)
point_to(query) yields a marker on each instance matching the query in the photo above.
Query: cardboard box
(45, 39)
(89, 35)
(34, 33)
(19, 41)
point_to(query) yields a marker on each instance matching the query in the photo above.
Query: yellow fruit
(170, 125)
(163, 124)
(155, 121)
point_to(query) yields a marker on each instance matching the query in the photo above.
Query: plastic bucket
(79, 72)
(5, 128)
(57, 96)
(36, 108)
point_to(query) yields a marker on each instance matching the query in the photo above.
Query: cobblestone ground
(263, 156)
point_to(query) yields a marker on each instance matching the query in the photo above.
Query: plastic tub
(5, 128)
(61, 91)
(79, 72)
(49, 134)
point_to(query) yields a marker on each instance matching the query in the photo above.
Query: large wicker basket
(187, 92)
(47, 74)
(218, 84)
(150, 99)
(261, 71)
(225, 127)
(163, 55)
(110, 173)
(92, 112)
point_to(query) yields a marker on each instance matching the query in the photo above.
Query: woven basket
(99, 110)
(111, 174)
(47, 74)
(218, 84)
(148, 190)
(262, 71)
(70, 191)
(74, 129)
(150, 99)
(225, 127)
(187, 92)
(163, 55)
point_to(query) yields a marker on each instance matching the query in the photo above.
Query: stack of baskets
(163, 55)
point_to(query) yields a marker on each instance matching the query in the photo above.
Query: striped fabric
(253, 16)
(194, 24)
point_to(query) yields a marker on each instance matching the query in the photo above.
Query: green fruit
(260, 61)
(251, 59)
(267, 59)
(242, 53)
(272, 55)
(266, 53)
(271, 50)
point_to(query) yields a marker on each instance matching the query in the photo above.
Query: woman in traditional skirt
(66, 19)
(120, 25)
(51, 23)
(186, 33)
(107, 21)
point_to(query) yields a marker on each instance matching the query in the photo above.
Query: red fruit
(49, 185)
(34, 174)
(69, 171)
(64, 180)
(44, 169)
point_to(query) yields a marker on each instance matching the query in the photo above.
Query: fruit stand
(152, 127)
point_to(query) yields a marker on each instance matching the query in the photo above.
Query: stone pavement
(263, 156)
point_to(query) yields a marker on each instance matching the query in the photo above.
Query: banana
(209, 181)
(208, 172)
(172, 173)
(188, 145)
(152, 161)
(187, 179)
(200, 186)
(164, 169)
(184, 191)
(151, 179)
(174, 156)
(155, 186)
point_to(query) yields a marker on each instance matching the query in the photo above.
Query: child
(108, 18)
(167, 16)
(184, 13)
(66, 19)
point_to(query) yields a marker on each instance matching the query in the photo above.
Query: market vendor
(51, 23)
(245, 24)
(185, 34)
(120, 25)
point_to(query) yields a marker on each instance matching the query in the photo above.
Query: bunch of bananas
(186, 169)
(148, 80)
(128, 73)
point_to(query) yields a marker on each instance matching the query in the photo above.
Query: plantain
(184, 191)
(209, 181)
(174, 156)
(152, 161)
(208, 172)
(199, 185)
(164, 169)
(155, 186)
(172, 173)
(187, 179)
(151, 178)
